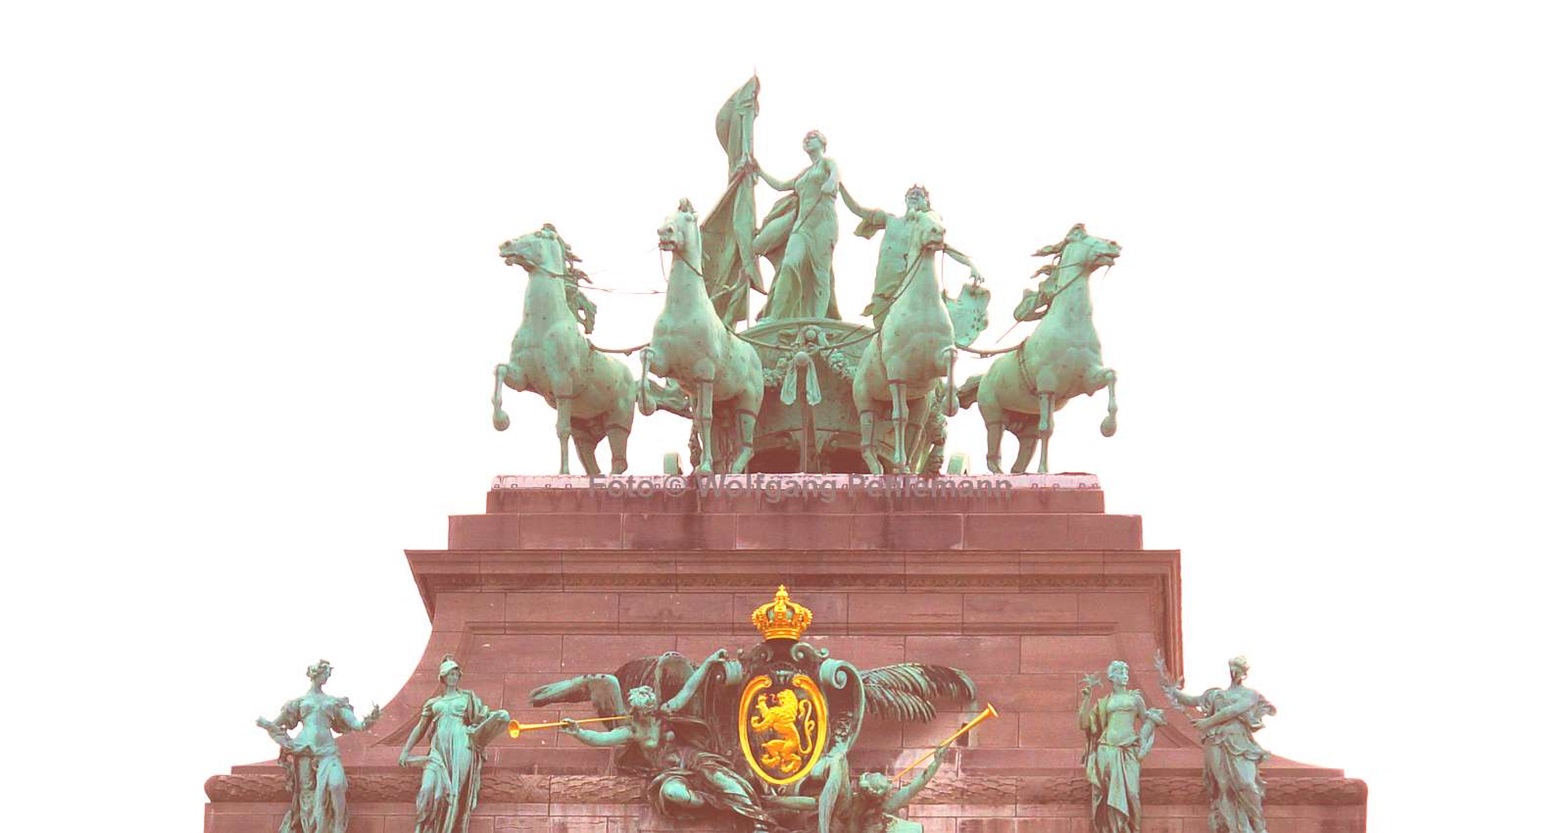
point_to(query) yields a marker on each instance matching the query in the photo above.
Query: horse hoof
(501, 421)
(993, 465)
(705, 468)
(873, 465)
(741, 462)
(1108, 427)
(618, 466)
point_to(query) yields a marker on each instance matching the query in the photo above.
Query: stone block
(563, 607)
(903, 532)
(1069, 653)
(974, 654)
(1020, 608)
(585, 654)
(453, 611)
(649, 612)
(906, 613)
(678, 532)
(483, 532)
(1017, 532)
(788, 532)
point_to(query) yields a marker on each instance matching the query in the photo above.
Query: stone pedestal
(1023, 581)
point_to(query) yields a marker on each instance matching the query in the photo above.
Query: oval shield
(782, 728)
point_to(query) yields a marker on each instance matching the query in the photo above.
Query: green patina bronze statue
(834, 396)
(899, 248)
(1115, 746)
(729, 262)
(459, 727)
(592, 393)
(692, 346)
(867, 804)
(663, 739)
(315, 778)
(913, 349)
(798, 236)
(1227, 717)
(1059, 360)
(728, 737)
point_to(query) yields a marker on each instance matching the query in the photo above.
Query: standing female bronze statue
(319, 801)
(1115, 748)
(803, 282)
(1228, 717)
(459, 726)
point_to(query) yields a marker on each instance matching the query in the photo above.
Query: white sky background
(252, 303)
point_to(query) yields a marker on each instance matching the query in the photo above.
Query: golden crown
(781, 618)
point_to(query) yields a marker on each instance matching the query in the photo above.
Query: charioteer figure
(899, 250)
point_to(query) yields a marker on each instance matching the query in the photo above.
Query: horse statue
(1059, 360)
(592, 394)
(692, 346)
(913, 350)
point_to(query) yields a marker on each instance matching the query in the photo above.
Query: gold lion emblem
(782, 731)
(787, 752)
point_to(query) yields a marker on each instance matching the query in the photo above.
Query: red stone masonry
(1027, 586)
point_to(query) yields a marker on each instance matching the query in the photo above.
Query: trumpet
(514, 728)
(990, 712)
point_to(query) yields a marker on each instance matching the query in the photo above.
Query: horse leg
(704, 417)
(950, 402)
(1047, 425)
(900, 426)
(748, 429)
(1107, 377)
(498, 417)
(868, 432)
(645, 403)
(1027, 442)
(586, 444)
(563, 428)
(995, 423)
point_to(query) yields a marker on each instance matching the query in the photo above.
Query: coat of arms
(783, 728)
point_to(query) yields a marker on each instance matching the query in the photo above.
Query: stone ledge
(394, 785)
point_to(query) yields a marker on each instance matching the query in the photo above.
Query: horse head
(678, 233)
(542, 249)
(1080, 249)
(929, 232)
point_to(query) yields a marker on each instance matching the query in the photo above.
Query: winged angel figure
(681, 730)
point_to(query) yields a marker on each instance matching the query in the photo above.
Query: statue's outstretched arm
(348, 718)
(1179, 697)
(695, 681)
(619, 736)
(773, 182)
(900, 798)
(963, 259)
(1230, 712)
(855, 207)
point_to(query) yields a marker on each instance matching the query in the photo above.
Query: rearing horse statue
(1059, 360)
(691, 345)
(911, 352)
(592, 394)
